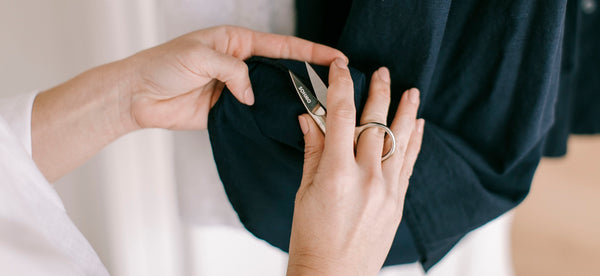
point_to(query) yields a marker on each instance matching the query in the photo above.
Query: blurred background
(152, 203)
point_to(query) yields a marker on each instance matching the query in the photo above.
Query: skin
(347, 208)
(349, 205)
(171, 86)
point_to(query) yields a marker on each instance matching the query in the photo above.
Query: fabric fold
(259, 152)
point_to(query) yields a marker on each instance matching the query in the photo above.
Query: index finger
(289, 47)
(244, 43)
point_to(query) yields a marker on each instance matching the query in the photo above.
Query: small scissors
(317, 107)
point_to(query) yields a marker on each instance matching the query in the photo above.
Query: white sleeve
(25, 251)
(17, 113)
(37, 237)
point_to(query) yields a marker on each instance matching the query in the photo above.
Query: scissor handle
(319, 115)
(360, 129)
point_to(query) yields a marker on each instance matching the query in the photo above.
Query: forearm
(74, 120)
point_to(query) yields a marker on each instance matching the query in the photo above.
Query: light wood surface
(556, 230)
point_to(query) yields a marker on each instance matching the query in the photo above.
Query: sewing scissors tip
(316, 105)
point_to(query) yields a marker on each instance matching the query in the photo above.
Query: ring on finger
(360, 129)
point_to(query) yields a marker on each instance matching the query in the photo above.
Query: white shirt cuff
(16, 111)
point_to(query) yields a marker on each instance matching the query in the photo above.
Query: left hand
(176, 83)
(171, 86)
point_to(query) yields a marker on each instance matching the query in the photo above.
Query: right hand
(348, 206)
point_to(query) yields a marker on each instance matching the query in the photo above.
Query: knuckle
(344, 81)
(407, 110)
(300, 193)
(313, 150)
(342, 113)
(406, 174)
(227, 31)
(230, 29)
(312, 49)
(404, 130)
(221, 29)
(378, 116)
(381, 90)
(336, 187)
(236, 40)
(242, 68)
(311, 153)
(406, 119)
(374, 178)
(285, 48)
(401, 148)
(371, 134)
(340, 174)
(400, 152)
(227, 28)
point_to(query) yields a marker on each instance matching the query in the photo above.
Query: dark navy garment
(259, 152)
(502, 83)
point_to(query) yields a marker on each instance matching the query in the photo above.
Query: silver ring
(360, 129)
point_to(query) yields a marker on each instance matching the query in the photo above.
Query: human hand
(172, 86)
(348, 206)
(175, 84)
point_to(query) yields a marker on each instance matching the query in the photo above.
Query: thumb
(313, 148)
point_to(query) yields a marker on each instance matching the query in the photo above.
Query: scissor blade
(318, 85)
(308, 99)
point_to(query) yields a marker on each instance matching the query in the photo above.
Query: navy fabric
(578, 105)
(502, 82)
(259, 152)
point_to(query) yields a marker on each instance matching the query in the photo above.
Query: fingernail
(384, 74)
(420, 125)
(303, 125)
(413, 95)
(345, 58)
(341, 63)
(249, 96)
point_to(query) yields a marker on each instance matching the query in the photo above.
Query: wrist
(120, 78)
(310, 264)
